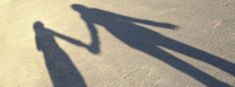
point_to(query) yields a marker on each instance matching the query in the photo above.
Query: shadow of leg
(200, 55)
(184, 67)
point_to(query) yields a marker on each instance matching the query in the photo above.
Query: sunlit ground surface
(124, 43)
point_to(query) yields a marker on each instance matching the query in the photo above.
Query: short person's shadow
(63, 72)
(148, 41)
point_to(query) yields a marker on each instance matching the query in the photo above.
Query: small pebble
(226, 5)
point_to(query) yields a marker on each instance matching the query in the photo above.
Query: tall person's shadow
(148, 41)
(62, 71)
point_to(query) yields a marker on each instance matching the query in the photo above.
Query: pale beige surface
(203, 24)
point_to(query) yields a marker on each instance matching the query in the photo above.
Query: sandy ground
(122, 43)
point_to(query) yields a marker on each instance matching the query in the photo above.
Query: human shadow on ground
(143, 39)
(62, 71)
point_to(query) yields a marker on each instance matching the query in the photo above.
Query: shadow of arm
(38, 44)
(147, 22)
(71, 40)
(152, 23)
(157, 24)
(95, 44)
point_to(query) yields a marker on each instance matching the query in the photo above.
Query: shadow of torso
(125, 30)
(61, 69)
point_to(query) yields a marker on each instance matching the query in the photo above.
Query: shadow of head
(78, 7)
(38, 25)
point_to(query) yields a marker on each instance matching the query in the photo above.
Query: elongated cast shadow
(63, 72)
(148, 41)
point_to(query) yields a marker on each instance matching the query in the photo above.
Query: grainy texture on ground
(191, 44)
